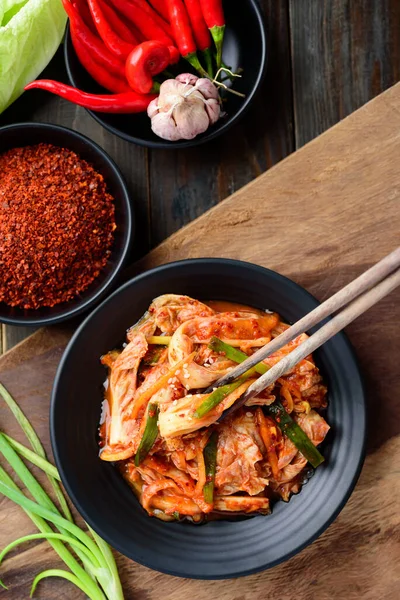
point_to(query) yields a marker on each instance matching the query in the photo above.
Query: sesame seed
(177, 372)
(249, 414)
(186, 376)
(185, 366)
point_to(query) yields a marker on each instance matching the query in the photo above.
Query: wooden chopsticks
(359, 296)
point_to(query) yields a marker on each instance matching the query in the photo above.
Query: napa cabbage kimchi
(160, 419)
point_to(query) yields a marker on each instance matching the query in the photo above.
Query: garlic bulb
(185, 107)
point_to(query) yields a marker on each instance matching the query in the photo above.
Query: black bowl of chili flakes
(65, 224)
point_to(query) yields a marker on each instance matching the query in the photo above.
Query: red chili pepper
(102, 75)
(159, 6)
(128, 33)
(149, 28)
(95, 46)
(118, 25)
(129, 102)
(82, 8)
(200, 30)
(181, 29)
(111, 39)
(214, 17)
(145, 61)
(213, 13)
(179, 19)
(154, 15)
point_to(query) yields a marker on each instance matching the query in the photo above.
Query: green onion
(36, 445)
(29, 480)
(45, 536)
(222, 392)
(210, 460)
(95, 555)
(234, 354)
(112, 584)
(26, 476)
(49, 515)
(149, 435)
(41, 524)
(34, 458)
(218, 395)
(295, 433)
(65, 575)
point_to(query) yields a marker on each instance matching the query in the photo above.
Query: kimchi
(160, 422)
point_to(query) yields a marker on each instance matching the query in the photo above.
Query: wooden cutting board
(321, 217)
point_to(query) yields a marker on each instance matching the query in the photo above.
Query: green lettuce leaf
(10, 8)
(30, 33)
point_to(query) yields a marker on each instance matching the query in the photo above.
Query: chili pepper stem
(209, 61)
(156, 88)
(194, 61)
(217, 33)
(168, 74)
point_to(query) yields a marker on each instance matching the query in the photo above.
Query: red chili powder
(56, 225)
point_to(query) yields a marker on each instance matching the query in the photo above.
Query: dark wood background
(326, 59)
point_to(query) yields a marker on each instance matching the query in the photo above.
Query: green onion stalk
(217, 396)
(96, 574)
(149, 435)
(222, 392)
(210, 461)
(295, 433)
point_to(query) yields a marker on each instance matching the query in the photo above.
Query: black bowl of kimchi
(220, 548)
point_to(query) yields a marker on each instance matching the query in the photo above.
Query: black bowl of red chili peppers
(121, 54)
(65, 224)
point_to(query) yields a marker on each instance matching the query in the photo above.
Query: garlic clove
(213, 109)
(152, 108)
(171, 93)
(191, 119)
(164, 125)
(207, 88)
(187, 78)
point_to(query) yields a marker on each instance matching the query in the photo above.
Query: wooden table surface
(321, 217)
(327, 58)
